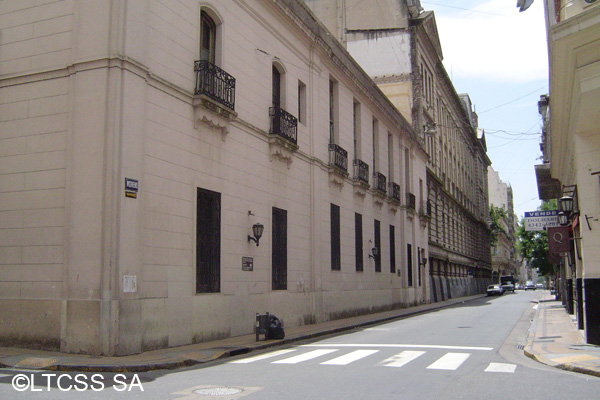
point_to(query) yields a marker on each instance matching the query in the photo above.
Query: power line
(512, 101)
(464, 9)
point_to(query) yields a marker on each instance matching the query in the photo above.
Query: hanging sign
(540, 220)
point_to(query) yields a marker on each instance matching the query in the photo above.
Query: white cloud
(497, 43)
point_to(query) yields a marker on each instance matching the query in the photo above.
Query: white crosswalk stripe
(450, 361)
(350, 357)
(501, 367)
(305, 357)
(401, 359)
(262, 357)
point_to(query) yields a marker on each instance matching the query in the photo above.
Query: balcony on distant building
(361, 172)
(283, 125)
(214, 83)
(338, 157)
(379, 182)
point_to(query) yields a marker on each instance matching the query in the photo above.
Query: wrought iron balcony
(411, 201)
(361, 171)
(394, 191)
(216, 84)
(283, 124)
(379, 182)
(338, 157)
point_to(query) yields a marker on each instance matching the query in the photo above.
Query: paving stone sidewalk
(555, 340)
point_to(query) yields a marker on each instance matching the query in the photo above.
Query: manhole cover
(218, 391)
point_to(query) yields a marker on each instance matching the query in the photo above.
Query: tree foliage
(533, 245)
(496, 228)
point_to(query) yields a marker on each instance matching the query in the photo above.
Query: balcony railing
(379, 182)
(215, 83)
(283, 124)
(338, 157)
(361, 171)
(394, 191)
(411, 201)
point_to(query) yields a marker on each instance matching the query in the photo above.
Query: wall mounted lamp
(429, 128)
(543, 105)
(374, 252)
(563, 219)
(424, 262)
(257, 231)
(567, 205)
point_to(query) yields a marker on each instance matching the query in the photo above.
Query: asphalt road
(470, 351)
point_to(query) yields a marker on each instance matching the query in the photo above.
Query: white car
(495, 290)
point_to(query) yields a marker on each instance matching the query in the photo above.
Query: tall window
(336, 257)
(333, 110)
(358, 241)
(377, 227)
(276, 87)
(390, 157)
(356, 128)
(279, 249)
(392, 249)
(207, 38)
(407, 186)
(419, 261)
(301, 102)
(375, 145)
(409, 265)
(208, 241)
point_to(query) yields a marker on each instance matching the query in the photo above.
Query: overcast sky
(498, 56)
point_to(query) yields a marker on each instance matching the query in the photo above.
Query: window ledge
(337, 176)
(210, 113)
(282, 149)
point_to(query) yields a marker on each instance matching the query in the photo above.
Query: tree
(496, 228)
(533, 245)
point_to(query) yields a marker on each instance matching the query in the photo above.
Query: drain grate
(218, 391)
(521, 346)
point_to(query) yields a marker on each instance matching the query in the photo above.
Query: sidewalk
(553, 340)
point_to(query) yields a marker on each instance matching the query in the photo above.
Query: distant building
(504, 256)
(571, 146)
(400, 49)
(143, 146)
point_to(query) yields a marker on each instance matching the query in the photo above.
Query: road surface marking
(261, 357)
(402, 359)
(501, 367)
(450, 361)
(305, 357)
(350, 357)
(414, 346)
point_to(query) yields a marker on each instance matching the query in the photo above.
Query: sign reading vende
(540, 220)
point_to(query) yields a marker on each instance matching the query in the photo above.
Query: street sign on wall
(540, 220)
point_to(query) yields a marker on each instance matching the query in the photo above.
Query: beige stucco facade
(504, 255)
(571, 145)
(96, 93)
(401, 50)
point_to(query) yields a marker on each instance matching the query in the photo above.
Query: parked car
(530, 285)
(508, 287)
(495, 290)
(540, 286)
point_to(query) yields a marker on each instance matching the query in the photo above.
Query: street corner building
(170, 169)
(570, 171)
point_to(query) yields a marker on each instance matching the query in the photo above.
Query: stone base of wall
(445, 287)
